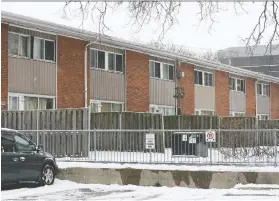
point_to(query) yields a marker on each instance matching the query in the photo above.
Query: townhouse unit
(46, 66)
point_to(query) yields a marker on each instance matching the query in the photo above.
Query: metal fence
(217, 147)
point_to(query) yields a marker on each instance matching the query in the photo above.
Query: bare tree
(165, 15)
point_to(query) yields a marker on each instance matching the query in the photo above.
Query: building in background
(260, 59)
(48, 66)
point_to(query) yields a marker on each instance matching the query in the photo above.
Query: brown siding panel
(70, 75)
(137, 82)
(107, 86)
(274, 98)
(250, 97)
(31, 76)
(188, 102)
(222, 95)
(4, 66)
(161, 92)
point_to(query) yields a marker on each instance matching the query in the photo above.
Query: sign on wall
(150, 141)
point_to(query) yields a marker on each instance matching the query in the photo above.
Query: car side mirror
(40, 148)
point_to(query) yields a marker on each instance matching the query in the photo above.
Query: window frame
(21, 96)
(260, 116)
(54, 52)
(99, 104)
(161, 70)
(106, 61)
(161, 106)
(199, 112)
(233, 114)
(203, 78)
(29, 45)
(235, 84)
(262, 89)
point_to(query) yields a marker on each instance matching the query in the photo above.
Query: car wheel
(47, 176)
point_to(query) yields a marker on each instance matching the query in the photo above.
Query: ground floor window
(205, 112)
(263, 117)
(106, 106)
(162, 109)
(237, 114)
(30, 102)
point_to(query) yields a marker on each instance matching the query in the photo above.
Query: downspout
(85, 70)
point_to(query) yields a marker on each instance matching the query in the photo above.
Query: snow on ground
(66, 190)
(214, 157)
(220, 168)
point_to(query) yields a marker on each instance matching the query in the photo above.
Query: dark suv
(23, 161)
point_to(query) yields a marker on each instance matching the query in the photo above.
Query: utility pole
(179, 94)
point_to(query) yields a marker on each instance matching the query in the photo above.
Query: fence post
(164, 141)
(219, 136)
(95, 149)
(120, 133)
(275, 147)
(37, 127)
(89, 127)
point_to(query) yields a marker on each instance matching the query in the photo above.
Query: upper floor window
(262, 89)
(161, 70)
(203, 78)
(18, 45)
(106, 60)
(236, 84)
(43, 49)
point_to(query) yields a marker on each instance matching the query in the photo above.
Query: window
(18, 45)
(237, 114)
(203, 78)
(161, 70)
(100, 106)
(7, 142)
(106, 60)
(23, 102)
(236, 84)
(23, 144)
(205, 112)
(43, 49)
(161, 109)
(262, 89)
(263, 117)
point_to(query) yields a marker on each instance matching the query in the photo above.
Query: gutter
(29, 22)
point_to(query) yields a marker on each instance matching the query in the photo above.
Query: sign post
(150, 142)
(210, 136)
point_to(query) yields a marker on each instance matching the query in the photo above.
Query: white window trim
(203, 78)
(106, 101)
(233, 113)
(259, 116)
(161, 70)
(35, 37)
(161, 106)
(208, 110)
(262, 87)
(29, 45)
(106, 61)
(235, 83)
(21, 95)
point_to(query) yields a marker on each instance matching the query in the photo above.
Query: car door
(10, 167)
(30, 161)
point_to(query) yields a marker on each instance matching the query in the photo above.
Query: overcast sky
(227, 32)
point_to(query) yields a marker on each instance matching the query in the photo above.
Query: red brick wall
(137, 82)
(4, 65)
(70, 75)
(187, 82)
(222, 93)
(250, 97)
(274, 99)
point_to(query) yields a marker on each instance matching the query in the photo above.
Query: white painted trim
(106, 101)
(29, 45)
(235, 80)
(203, 78)
(272, 65)
(232, 113)
(39, 38)
(161, 70)
(165, 106)
(31, 29)
(260, 115)
(262, 87)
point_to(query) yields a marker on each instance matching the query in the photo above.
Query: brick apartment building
(47, 66)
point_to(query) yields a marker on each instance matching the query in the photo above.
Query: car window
(22, 143)
(7, 142)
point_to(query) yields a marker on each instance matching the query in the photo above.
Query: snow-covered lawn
(224, 156)
(220, 168)
(66, 190)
